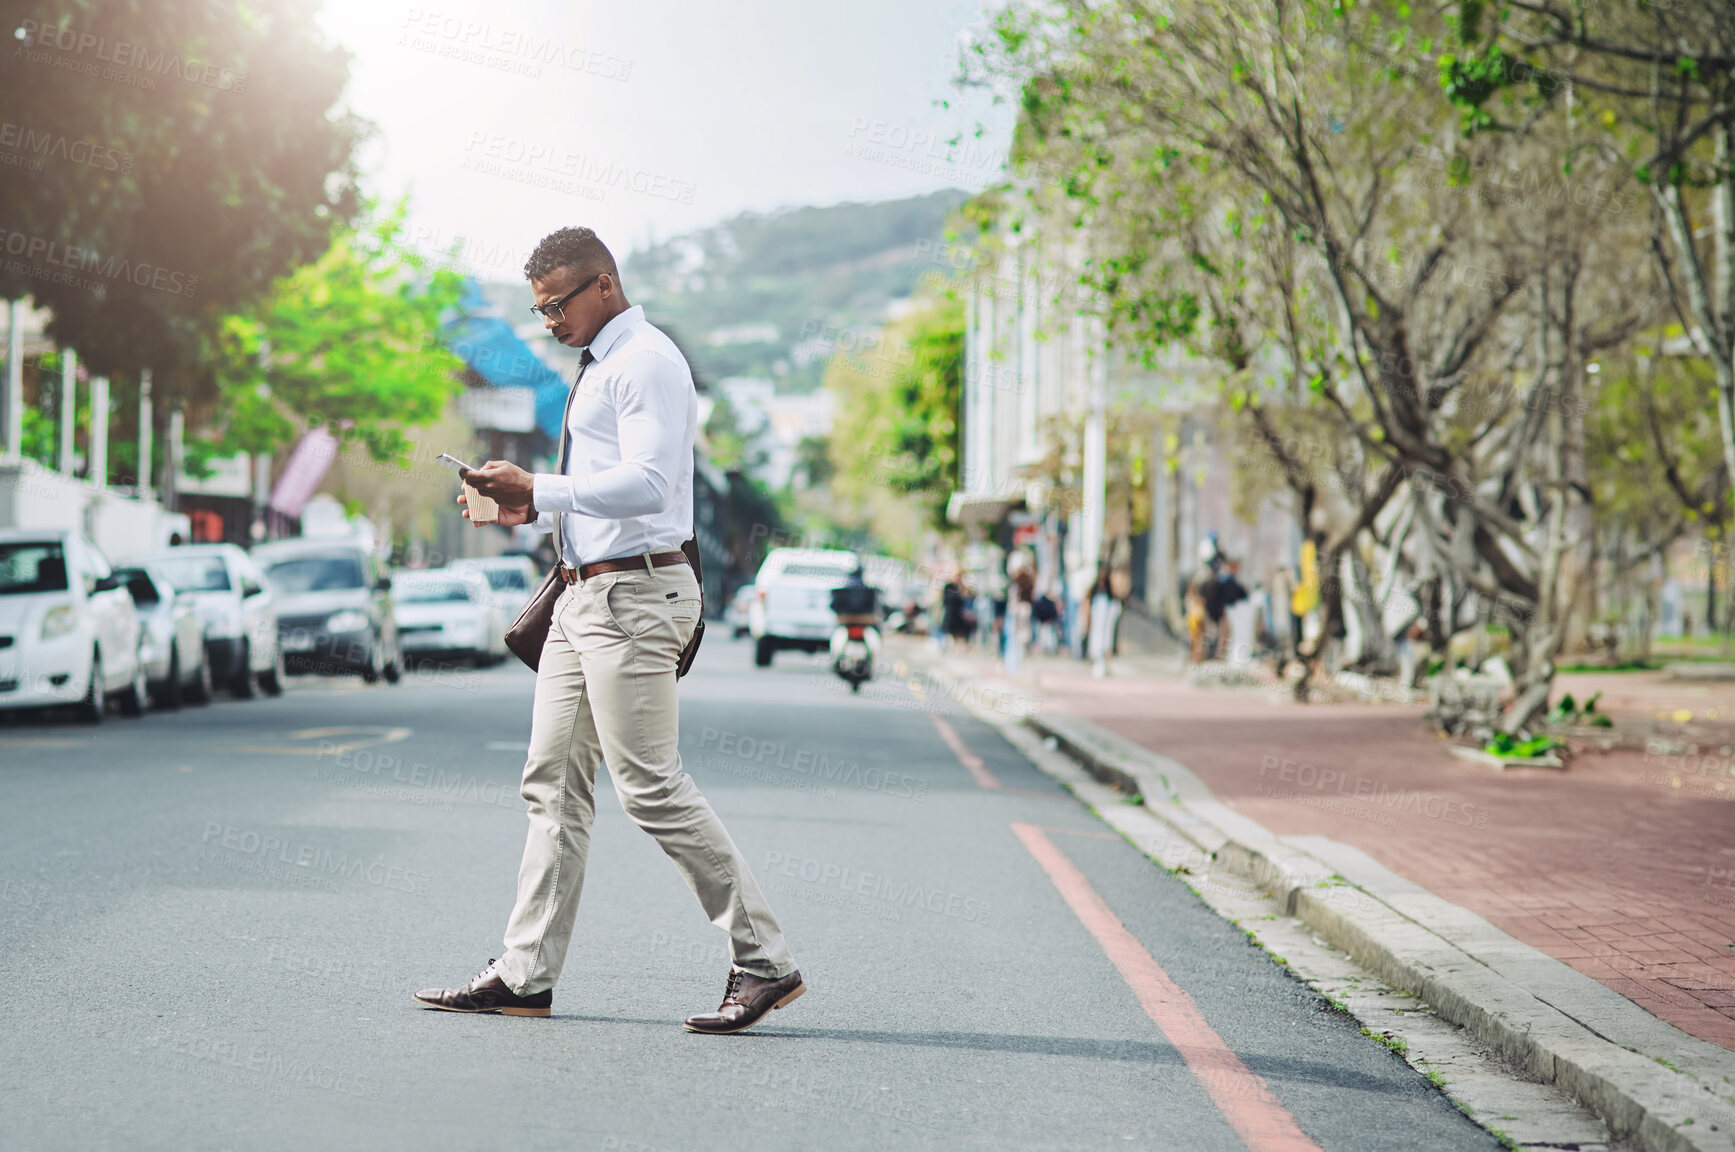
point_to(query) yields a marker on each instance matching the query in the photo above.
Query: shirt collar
(614, 330)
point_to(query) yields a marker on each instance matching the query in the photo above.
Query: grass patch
(1396, 1043)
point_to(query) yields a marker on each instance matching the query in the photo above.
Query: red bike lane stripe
(1244, 1099)
(982, 774)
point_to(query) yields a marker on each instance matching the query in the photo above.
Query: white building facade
(1035, 356)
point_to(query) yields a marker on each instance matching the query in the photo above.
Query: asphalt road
(213, 920)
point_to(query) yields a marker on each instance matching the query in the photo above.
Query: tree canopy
(172, 160)
(1283, 186)
(350, 341)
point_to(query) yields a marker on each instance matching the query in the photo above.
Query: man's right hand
(509, 516)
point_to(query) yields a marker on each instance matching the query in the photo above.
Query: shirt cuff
(544, 522)
(552, 492)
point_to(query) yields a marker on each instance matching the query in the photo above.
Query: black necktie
(584, 361)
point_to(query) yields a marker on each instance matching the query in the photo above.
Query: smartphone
(454, 463)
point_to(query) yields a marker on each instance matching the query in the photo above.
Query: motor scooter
(855, 642)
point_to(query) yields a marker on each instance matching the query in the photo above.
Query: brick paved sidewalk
(1622, 866)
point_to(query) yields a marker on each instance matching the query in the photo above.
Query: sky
(505, 120)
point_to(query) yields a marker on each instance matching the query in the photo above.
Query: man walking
(620, 507)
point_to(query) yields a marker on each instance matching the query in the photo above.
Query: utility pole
(14, 445)
(68, 409)
(144, 478)
(1095, 454)
(262, 460)
(98, 472)
(172, 483)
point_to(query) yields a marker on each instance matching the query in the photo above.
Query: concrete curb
(1554, 1023)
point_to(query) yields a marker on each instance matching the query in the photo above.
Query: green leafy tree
(350, 341)
(207, 159)
(899, 409)
(1275, 185)
(1647, 82)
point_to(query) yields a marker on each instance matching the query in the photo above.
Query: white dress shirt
(628, 486)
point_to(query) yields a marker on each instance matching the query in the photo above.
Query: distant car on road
(791, 606)
(511, 580)
(448, 614)
(334, 602)
(738, 615)
(236, 608)
(173, 642)
(68, 631)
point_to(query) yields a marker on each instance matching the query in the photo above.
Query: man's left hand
(502, 481)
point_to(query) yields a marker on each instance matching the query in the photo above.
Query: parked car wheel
(242, 686)
(135, 699)
(763, 652)
(272, 681)
(169, 696)
(91, 709)
(202, 689)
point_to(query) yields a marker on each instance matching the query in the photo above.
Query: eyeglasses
(555, 310)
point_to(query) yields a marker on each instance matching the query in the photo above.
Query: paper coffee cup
(482, 509)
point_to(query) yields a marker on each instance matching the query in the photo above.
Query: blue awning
(494, 352)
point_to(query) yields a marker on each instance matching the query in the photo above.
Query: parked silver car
(334, 599)
(173, 641)
(511, 580)
(448, 614)
(236, 608)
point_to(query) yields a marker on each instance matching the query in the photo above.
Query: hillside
(744, 293)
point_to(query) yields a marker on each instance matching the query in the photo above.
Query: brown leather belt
(646, 561)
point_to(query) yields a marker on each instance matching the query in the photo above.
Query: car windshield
(431, 591)
(32, 566)
(196, 573)
(316, 574)
(506, 579)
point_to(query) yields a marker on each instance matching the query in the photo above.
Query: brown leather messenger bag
(530, 631)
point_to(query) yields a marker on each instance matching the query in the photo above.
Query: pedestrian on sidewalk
(1104, 612)
(956, 623)
(1045, 623)
(619, 507)
(1236, 644)
(1020, 594)
(1204, 603)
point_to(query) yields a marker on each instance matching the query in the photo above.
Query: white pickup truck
(791, 606)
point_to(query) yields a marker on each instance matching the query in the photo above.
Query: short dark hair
(575, 248)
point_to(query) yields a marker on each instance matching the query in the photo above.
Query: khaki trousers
(606, 691)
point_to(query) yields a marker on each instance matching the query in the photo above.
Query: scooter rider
(856, 605)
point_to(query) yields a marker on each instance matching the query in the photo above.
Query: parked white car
(236, 608)
(791, 607)
(448, 614)
(172, 642)
(511, 580)
(68, 631)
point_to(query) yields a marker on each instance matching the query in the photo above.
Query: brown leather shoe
(486, 992)
(745, 1000)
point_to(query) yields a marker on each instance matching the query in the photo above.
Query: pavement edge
(1666, 1102)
